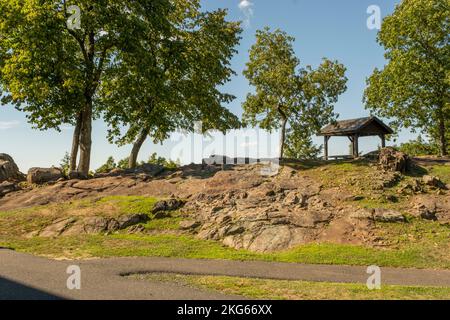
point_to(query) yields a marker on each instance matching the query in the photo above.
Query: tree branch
(75, 35)
(99, 70)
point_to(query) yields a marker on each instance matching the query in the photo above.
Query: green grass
(361, 178)
(106, 206)
(184, 246)
(378, 203)
(418, 243)
(131, 204)
(170, 223)
(442, 171)
(266, 289)
(23, 221)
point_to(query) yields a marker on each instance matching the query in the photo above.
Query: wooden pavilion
(354, 129)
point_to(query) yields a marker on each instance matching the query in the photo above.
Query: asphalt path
(24, 276)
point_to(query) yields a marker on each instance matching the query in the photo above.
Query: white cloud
(5, 125)
(246, 6)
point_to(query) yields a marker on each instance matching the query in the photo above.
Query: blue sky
(322, 28)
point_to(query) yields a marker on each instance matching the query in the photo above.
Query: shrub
(419, 147)
(108, 166)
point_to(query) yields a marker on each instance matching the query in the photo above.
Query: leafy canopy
(284, 93)
(178, 82)
(49, 70)
(419, 147)
(413, 88)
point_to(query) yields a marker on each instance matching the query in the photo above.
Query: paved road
(25, 276)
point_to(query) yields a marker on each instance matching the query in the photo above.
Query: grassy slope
(420, 244)
(299, 290)
(182, 246)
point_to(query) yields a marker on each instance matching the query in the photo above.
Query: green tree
(123, 163)
(181, 84)
(65, 164)
(169, 164)
(413, 87)
(419, 147)
(108, 166)
(299, 145)
(286, 94)
(54, 72)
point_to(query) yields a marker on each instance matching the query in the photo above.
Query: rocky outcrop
(422, 185)
(379, 215)
(9, 170)
(431, 208)
(391, 160)
(10, 176)
(76, 175)
(152, 170)
(434, 182)
(167, 205)
(44, 175)
(91, 225)
(244, 209)
(274, 214)
(8, 187)
(145, 171)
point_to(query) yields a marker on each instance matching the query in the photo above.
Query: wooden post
(326, 138)
(356, 148)
(352, 151)
(224, 161)
(383, 141)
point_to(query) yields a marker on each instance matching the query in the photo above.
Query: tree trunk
(86, 139)
(92, 80)
(132, 161)
(443, 136)
(282, 137)
(75, 144)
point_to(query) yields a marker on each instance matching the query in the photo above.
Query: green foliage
(41, 67)
(299, 145)
(108, 166)
(286, 94)
(177, 84)
(123, 164)
(413, 88)
(169, 164)
(65, 164)
(419, 147)
(153, 159)
(57, 74)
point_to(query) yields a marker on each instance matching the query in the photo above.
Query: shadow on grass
(416, 171)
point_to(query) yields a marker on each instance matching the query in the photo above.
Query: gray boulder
(433, 182)
(379, 215)
(131, 220)
(167, 205)
(44, 175)
(386, 215)
(9, 170)
(8, 187)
